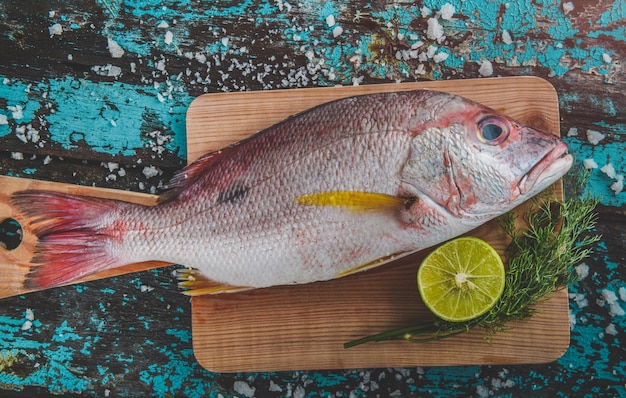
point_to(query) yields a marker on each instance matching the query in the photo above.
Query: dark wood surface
(76, 112)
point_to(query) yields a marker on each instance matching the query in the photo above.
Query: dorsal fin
(194, 171)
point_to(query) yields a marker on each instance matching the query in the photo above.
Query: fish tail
(72, 243)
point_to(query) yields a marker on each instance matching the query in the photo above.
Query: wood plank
(304, 327)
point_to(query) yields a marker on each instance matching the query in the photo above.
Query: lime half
(461, 279)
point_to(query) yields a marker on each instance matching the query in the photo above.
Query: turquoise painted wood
(96, 93)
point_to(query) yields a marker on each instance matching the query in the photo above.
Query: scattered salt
(431, 51)
(337, 31)
(115, 49)
(594, 136)
(107, 70)
(618, 185)
(622, 293)
(447, 11)
(611, 329)
(163, 25)
(3, 119)
(51, 13)
(568, 7)
(435, 30)
(579, 299)
(55, 29)
(17, 156)
(330, 20)
(572, 319)
(506, 37)
(16, 111)
(607, 58)
(145, 288)
(169, 37)
(611, 300)
(425, 11)
(27, 325)
(440, 57)
(243, 388)
(274, 387)
(225, 41)
(609, 170)
(582, 270)
(572, 132)
(30, 315)
(590, 164)
(486, 69)
(151, 171)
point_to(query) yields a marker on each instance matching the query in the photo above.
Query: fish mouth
(549, 169)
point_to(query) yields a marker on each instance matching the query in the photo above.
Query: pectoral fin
(356, 201)
(370, 265)
(194, 284)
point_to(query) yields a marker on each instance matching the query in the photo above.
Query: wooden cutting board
(304, 327)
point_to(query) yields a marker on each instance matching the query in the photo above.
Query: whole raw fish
(339, 188)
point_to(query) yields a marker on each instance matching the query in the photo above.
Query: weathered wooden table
(95, 93)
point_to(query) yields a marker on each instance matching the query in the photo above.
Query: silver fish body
(239, 218)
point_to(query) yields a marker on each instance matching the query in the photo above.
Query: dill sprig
(552, 239)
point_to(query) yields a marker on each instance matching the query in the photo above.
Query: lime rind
(461, 279)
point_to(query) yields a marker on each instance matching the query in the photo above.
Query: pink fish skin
(238, 216)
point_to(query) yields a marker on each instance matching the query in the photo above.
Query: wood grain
(304, 327)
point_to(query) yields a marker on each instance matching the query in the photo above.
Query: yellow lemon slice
(461, 279)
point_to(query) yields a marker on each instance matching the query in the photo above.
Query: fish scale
(337, 189)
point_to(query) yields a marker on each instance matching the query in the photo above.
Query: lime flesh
(461, 280)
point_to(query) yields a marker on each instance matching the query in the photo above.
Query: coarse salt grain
(115, 49)
(582, 270)
(337, 31)
(611, 329)
(609, 170)
(435, 30)
(486, 69)
(447, 11)
(594, 136)
(243, 388)
(590, 164)
(169, 37)
(618, 185)
(330, 20)
(607, 58)
(55, 29)
(568, 7)
(151, 171)
(622, 293)
(440, 57)
(572, 132)
(506, 37)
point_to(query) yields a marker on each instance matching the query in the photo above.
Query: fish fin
(189, 175)
(70, 243)
(356, 201)
(193, 283)
(370, 265)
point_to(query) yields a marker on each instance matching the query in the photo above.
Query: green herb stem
(541, 260)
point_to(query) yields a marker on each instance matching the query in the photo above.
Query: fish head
(476, 162)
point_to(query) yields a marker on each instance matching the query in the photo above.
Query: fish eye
(492, 130)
